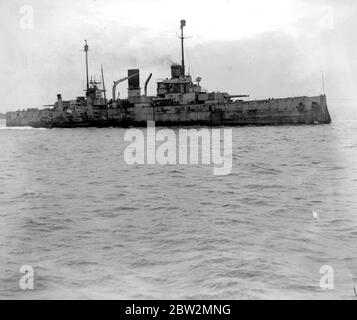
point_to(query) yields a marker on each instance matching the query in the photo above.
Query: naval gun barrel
(238, 96)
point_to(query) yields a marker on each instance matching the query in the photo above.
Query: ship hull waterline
(287, 111)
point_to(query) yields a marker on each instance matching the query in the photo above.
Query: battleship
(179, 101)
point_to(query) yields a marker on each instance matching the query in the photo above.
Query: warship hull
(287, 111)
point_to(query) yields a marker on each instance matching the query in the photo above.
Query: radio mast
(86, 51)
(183, 24)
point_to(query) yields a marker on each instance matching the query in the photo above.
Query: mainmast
(183, 24)
(86, 51)
(103, 83)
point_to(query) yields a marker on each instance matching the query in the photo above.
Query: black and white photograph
(191, 150)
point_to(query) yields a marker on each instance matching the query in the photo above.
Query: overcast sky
(273, 48)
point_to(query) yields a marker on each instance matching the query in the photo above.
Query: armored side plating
(179, 101)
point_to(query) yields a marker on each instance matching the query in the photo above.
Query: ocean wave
(100, 227)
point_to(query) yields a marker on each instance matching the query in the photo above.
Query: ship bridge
(178, 84)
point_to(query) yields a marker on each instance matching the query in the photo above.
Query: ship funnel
(59, 102)
(146, 84)
(176, 71)
(134, 83)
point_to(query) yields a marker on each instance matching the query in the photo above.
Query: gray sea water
(92, 226)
